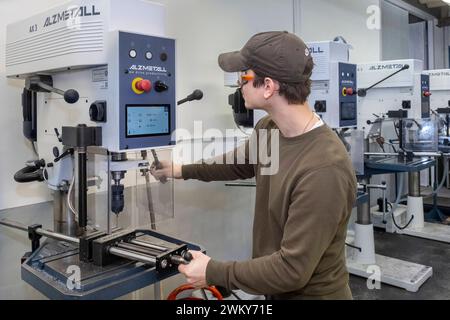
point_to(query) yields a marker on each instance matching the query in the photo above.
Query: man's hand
(195, 271)
(165, 171)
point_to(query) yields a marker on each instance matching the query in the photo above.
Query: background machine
(395, 112)
(99, 108)
(334, 96)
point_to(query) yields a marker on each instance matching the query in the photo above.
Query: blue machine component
(386, 165)
(147, 116)
(347, 102)
(425, 84)
(53, 266)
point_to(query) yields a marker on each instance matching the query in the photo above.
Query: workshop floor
(225, 236)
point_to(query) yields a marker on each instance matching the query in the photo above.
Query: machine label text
(316, 50)
(82, 11)
(386, 67)
(139, 67)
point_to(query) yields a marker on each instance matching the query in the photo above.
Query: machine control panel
(147, 91)
(347, 95)
(426, 93)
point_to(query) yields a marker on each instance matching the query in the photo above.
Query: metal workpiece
(149, 245)
(40, 231)
(184, 257)
(127, 254)
(414, 184)
(138, 249)
(57, 236)
(14, 224)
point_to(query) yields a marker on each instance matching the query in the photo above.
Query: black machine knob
(97, 111)
(71, 96)
(320, 106)
(160, 86)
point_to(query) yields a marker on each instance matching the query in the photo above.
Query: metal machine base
(395, 272)
(389, 226)
(53, 270)
(432, 231)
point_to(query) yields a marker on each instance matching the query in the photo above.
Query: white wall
(447, 46)
(15, 149)
(204, 29)
(417, 48)
(325, 19)
(440, 52)
(395, 32)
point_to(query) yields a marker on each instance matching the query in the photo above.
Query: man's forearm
(217, 172)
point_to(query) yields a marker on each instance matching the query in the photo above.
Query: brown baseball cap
(276, 54)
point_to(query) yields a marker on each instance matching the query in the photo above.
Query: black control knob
(56, 152)
(160, 86)
(97, 111)
(71, 96)
(320, 106)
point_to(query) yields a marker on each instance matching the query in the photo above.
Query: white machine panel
(74, 35)
(114, 55)
(333, 88)
(440, 88)
(370, 73)
(325, 52)
(408, 90)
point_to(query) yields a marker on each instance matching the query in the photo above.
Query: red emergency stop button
(140, 85)
(144, 85)
(348, 92)
(426, 94)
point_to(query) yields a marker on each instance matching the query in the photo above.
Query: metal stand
(420, 228)
(362, 260)
(435, 214)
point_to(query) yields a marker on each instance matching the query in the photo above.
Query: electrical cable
(407, 224)
(69, 195)
(394, 207)
(444, 178)
(354, 247)
(34, 149)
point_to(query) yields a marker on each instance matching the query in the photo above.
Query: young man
(302, 210)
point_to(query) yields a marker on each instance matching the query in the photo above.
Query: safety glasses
(244, 78)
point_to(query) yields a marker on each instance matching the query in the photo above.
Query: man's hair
(295, 93)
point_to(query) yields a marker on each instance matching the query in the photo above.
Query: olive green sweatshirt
(300, 222)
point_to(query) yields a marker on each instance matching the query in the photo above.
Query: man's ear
(270, 87)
